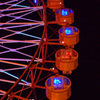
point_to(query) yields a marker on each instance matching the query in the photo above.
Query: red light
(67, 54)
(74, 53)
(59, 54)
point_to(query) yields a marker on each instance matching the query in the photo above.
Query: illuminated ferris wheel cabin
(68, 35)
(66, 60)
(64, 16)
(58, 88)
(55, 4)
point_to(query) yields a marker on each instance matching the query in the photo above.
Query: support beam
(2, 91)
(13, 63)
(14, 9)
(46, 69)
(22, 98)
(9, 81)
(19, 41)
(37, 86)
(26, 23)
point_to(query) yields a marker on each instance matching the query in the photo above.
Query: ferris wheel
(36, 42)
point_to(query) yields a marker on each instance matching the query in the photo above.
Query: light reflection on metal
(12, 75)
(16, 11)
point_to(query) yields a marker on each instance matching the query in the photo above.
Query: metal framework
(28, 43)
(23, 47)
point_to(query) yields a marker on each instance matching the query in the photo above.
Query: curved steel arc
(30, 64)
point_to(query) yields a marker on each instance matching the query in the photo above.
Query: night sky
(86, 79)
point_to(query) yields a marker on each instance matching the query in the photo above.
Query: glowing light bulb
(53, 68)
(57, 81)
(64, 20)
(62, 42)
(67, 31)
(35, 1)
(64, 12)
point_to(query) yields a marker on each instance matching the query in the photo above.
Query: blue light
(61, 30)
(66, 81)
(49, 83)
(68, 31)
(20, 5)
(35, 1)
(64, 12)
(57, 12)
(75, 29)
(57, 81)
(71, 11)
(12, 76)
(28, 35)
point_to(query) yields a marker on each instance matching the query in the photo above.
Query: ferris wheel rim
(21, 24)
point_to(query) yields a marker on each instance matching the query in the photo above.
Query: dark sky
(86, 79)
